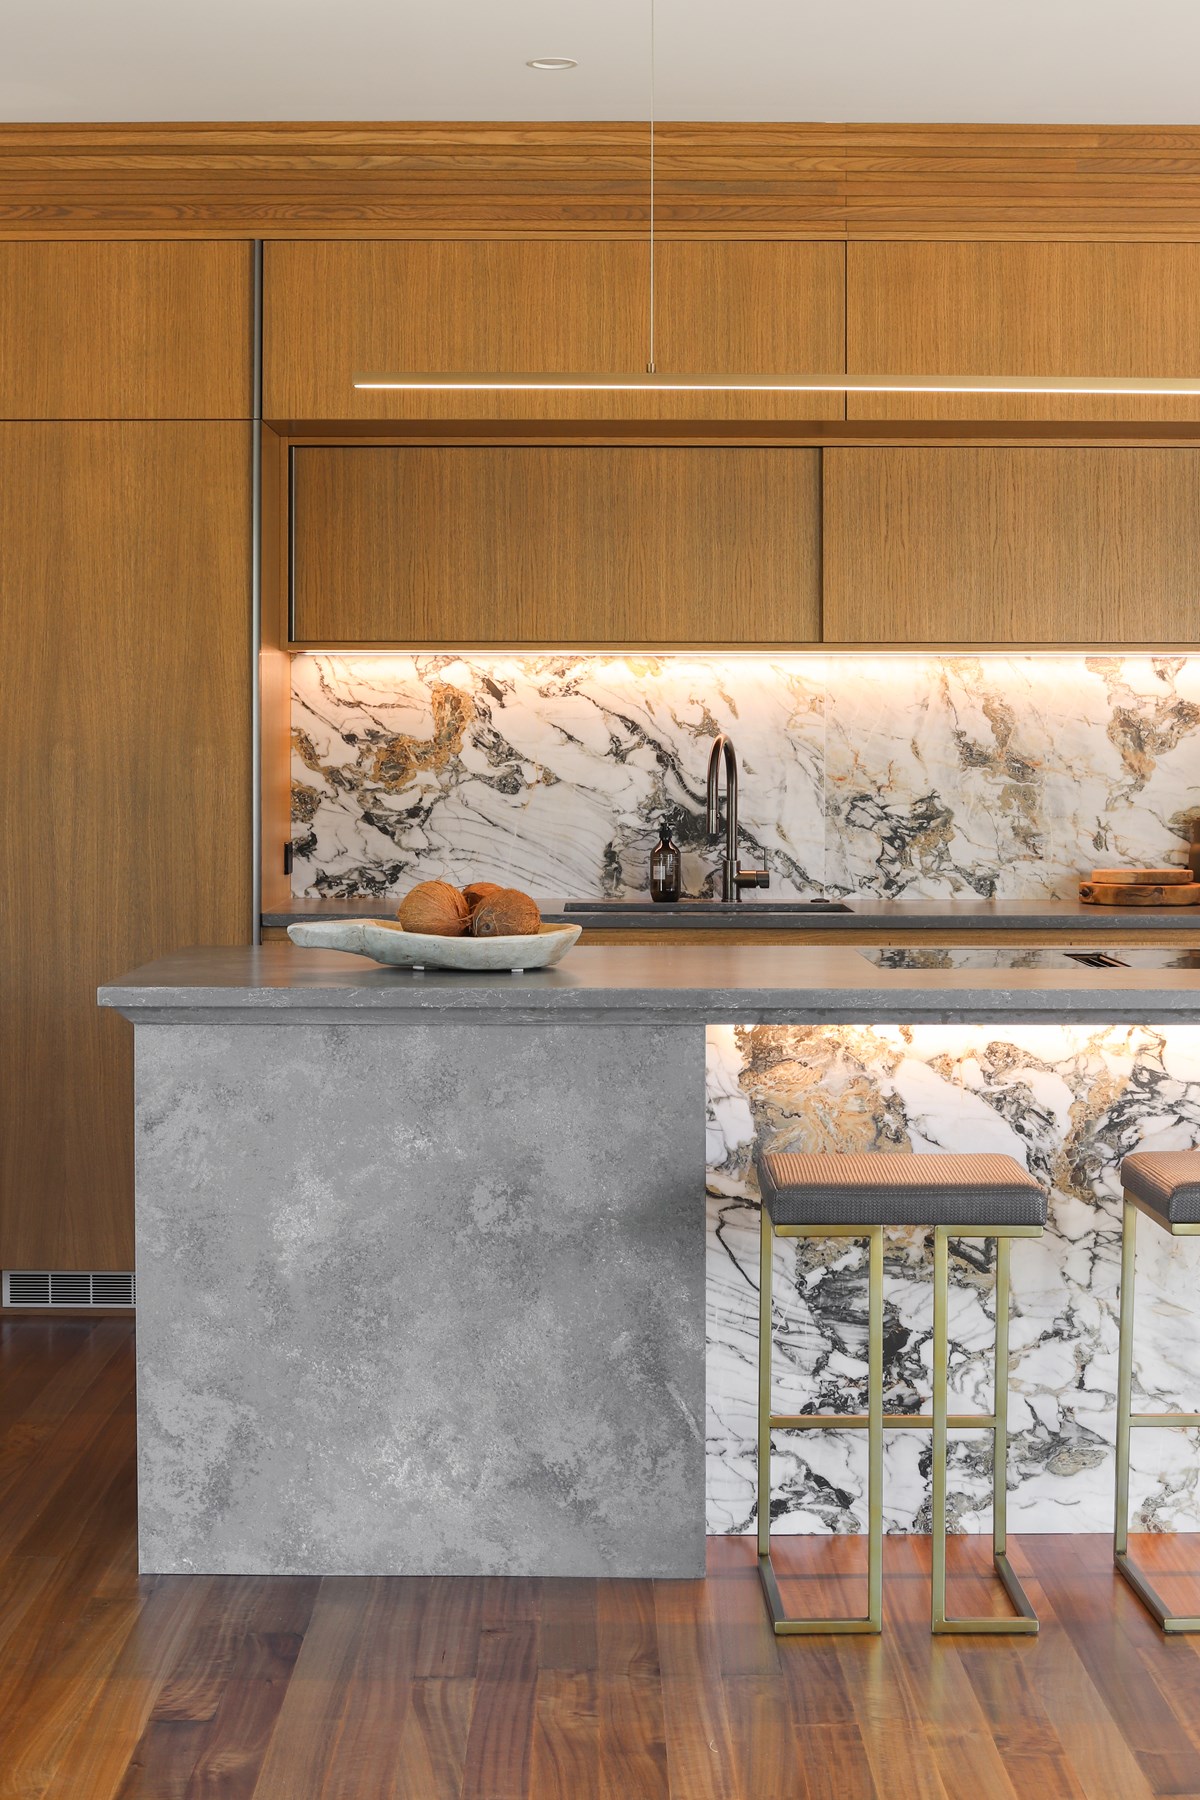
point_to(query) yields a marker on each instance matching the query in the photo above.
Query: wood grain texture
(450, 179)
(424, 180)
(176, 1688)
(125, 331)
(968, 546)
(1022, 309)
(335, 310)
(125, 808)
(563, 547)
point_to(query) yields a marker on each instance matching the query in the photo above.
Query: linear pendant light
(786, 384)
(652, 382)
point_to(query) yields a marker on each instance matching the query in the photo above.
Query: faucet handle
(755, 878)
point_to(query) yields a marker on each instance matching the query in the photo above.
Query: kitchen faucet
(733, 879)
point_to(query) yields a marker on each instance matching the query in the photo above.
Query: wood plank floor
(170, 1688)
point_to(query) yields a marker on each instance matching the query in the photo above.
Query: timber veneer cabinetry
(1011, 546)
(125, 331)
(125, 555)
(334, 310)
(1022, 309)
(555, 547)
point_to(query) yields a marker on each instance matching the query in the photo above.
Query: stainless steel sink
(663, 909)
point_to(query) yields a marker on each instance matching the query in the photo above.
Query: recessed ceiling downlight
(552, 62)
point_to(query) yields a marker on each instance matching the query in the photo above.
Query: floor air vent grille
(72, 1288)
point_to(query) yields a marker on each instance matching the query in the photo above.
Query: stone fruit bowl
(389, 943)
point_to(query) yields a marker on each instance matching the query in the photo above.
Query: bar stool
(857, 1196)
(1165, 1185)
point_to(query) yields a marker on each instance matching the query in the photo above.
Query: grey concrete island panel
(420, 1301)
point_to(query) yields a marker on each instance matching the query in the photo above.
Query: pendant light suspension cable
(650, 368)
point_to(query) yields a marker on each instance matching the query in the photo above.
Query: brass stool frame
(1127, 1420)
(875, 1422)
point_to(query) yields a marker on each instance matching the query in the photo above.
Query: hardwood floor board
(307, 1724)
(633, 1745)
(565, 1757)
(499, 1742)
(107, 1703)
(1005, 1687)
(700, 1758)
(433, 1739)
(747, 1644)
(766, 1745)
(162, 1761)
(193, 1688)
(37, 1632)
(364, 1758)
(239, 1732)
(448, 1644)
(31, 1357)
(834, 1764)
(568, 1636)
(1092, 1613)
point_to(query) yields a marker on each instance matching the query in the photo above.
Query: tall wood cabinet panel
(1021, 546)
(1022, 309)
(125, 805)
(555, 546)
(125, 330)
(333, 310)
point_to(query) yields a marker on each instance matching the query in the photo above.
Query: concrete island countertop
(672, 984)
(868, 914)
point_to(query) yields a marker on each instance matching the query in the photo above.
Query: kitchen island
(421, 1256)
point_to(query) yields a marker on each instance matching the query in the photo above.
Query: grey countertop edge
(1153, 1009)
(867, 915)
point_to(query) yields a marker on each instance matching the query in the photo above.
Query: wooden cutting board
(1140, 877)
(1096, 893)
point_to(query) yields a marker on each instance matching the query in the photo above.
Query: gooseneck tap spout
(733, 879)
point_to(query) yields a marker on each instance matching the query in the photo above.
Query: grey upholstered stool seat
(902, 1189)
(1168, 1181)
(1164, 1185)
(849, 1195)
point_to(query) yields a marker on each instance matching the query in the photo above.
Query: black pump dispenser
(666, 867)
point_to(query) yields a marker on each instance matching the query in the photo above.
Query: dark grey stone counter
(866, 915)
(671, 984)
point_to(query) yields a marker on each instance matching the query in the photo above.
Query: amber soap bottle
(666, 867)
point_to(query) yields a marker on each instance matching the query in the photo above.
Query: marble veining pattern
(1068, 1102)
(905, 776)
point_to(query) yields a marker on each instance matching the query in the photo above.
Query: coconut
(479, 890)
(435, 908)
(506, 913)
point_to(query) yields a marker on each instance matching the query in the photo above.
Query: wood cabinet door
(555, 547)
(1022, 309)
(1012, 546)
(126, 331)
(125, 806)
(335, 310)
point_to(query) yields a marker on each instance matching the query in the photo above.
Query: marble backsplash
(897, 776)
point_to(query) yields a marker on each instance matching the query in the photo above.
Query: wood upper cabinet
(125, 807)
(1012, 546)
(126, 330)
(555, 547)
(336, 309)
(1022, 309)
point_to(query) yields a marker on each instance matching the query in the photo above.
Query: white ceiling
(1011, 61)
